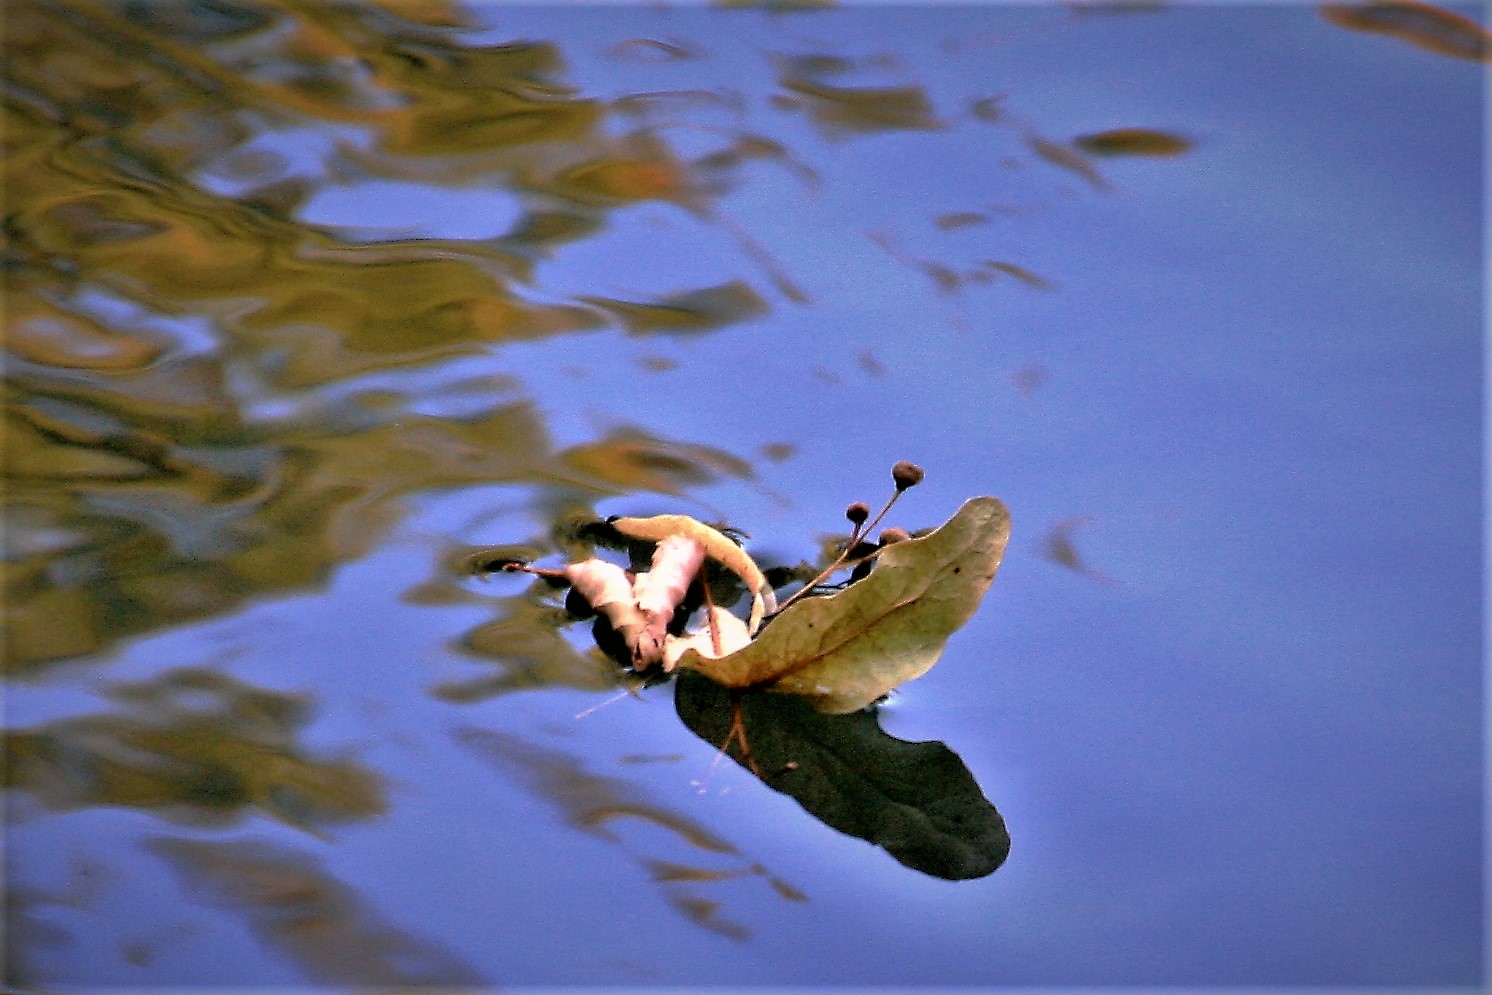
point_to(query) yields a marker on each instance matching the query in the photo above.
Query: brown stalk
(737, 733)
(843, 559)
(704, 582)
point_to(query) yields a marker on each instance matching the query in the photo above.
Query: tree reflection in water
(153, 320)
(295, 907)
(174, 447)
(590, 803)
(195, 747)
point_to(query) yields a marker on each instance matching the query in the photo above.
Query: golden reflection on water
(196, 747)
(143, 489)
(154, 314)
(173, 444)
(295, 907)
(184, 426)
(1424, 25)
(688, 871)
(812, 85)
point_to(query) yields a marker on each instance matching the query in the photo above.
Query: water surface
(306, 302)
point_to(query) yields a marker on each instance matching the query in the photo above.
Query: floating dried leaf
(845, 651)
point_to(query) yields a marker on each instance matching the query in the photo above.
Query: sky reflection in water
(303, 306)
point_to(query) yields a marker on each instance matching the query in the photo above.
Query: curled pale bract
(676, 561)
(600, 582)
(717, 545)
(609, 590)
(659, 590)
(640, 608)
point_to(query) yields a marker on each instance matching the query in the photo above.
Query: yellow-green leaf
(845, 651)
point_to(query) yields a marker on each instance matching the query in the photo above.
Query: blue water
(1239, 742)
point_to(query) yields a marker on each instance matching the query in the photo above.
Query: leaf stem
(737, 733)
(528, 568)
(704, 581)
(841, 560)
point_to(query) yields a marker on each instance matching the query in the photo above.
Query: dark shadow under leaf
(917, 800)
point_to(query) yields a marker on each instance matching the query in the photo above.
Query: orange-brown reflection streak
(196, 747)
(841, 110)
(1423, 25)
(592, 804)
(524, 639)
(297, 908)
(151, 315)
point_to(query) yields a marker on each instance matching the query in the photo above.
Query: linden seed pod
(892, 535)
(906, 475)
(857, 512)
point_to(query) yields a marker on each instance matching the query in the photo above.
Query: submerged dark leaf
(917, 800)
(779, 6)
(989, 109)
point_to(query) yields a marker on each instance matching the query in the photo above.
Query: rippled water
(305, 303)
